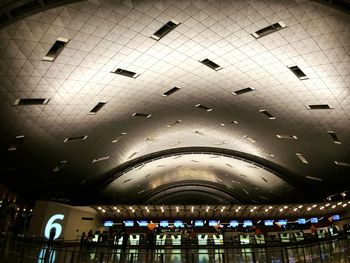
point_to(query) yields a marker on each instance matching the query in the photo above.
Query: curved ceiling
(284, 119)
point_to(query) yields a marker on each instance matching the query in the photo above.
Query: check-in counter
(202, 239)
(160, 240)
(176, 239)
(134, 240)
(218, 239)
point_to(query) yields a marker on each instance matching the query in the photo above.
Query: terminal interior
(174, 131)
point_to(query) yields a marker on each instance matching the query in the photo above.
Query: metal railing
(28, 251)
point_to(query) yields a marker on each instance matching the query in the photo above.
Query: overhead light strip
(78, 138)
(141, 115)
(283, 136)
(164, 30)
(97, 107)
(119, 137)
(56, 49)
(334, 137)
(171, 91)
(100, 159)
(267, 114)
(269, 29)
(125, 73)
(342, 163)
(60, 166)
(313, 178)
(211, 64)
(203, 107)
(31, 101)
(17, 142)
(301, 158)
(242, 91)
(318, 107)
(298, 72)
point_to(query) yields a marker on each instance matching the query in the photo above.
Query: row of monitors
(233, 223)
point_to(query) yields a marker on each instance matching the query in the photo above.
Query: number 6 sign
(50, 224)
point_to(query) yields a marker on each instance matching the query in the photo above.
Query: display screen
(213, 222)
(233, 223)
(301, 221)
(282, 222)
(178, 223)
(143, 223)
(313, 220)
(129, 223)
(108, 223)
(268, 222)
(247, 223)
(336, 217)
(164, 223)
(198, 223)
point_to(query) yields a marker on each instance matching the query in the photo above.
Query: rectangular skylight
(97, 107)
(126, 73)
(203, 107)
(319, 107)
(142, 115)
(269, 30)
(334, 137)
(18, 140)
(56, 49)
(164, 30)
(302, 158)
(59, 166)
(171, 91)
(31, 101)
(211, 64)
(341, 163)
(298, 72)
(242, 91)
(267, 114)
(284, 136)
(78, 138)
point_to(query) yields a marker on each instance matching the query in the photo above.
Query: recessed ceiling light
(171, 91)
(210, 64)
(319, 107)
(334, 137)
(56, 49)
(298, 72)
(164, 30)
(142, 115)
(126, 73)
(203, 107)
(242, 91)
(234, 122)
(78, 138)
(97, 107)
(284, 136)
(267, 114)
(269, 29)
(31, 101)
(302, 158)
(17, 142)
